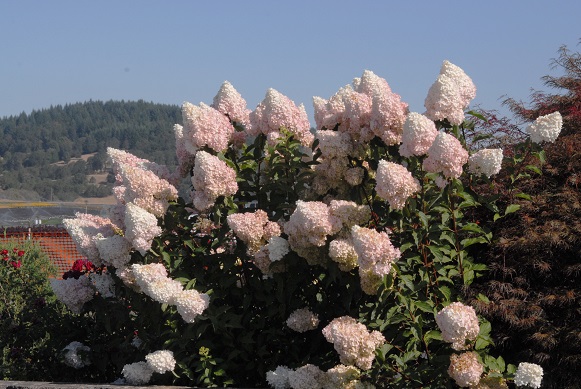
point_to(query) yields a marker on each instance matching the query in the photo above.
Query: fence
(54, 241)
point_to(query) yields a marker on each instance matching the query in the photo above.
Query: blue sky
(59, 52)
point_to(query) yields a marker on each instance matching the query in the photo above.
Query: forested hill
(31, 145)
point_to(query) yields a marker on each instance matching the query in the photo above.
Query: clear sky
(67, 51)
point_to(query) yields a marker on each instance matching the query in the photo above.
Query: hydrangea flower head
(211, 178)
(205, 126)
(465, 369)
(546, 128)
(458, 323)
(419, 133)
(161, 361)
(140, 227)
(72, 292)
(302, 320)
(278, 378)
(277, 111)
(450, 94)
(85, 229)
(388, 112)
(528, 374)
(138, 373)
(230, 103)
(355, 345)
(191, 303)
(446, 155)
(395, 183)
(374, 249)
(75, 355)
(486, 161)
(310, 224)
(306, 377)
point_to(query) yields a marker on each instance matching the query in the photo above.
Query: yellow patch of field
(27, 204)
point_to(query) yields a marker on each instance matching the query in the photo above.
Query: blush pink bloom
(329, 113)
(205, 126)
(185, 158)
(211, 178)
(230, 103)
(395, 183)
(277, 111)
(388, 112)
(249, 227)
(446, 155)
(465, 369)
(450, 94)
(374, 249)
(419, 133)
(310, 224)
(354, 344)
(72, 292)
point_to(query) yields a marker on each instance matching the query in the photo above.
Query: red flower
(16, 264)
(5, 258)
(15, 250)
(21, 253)
(4, 252)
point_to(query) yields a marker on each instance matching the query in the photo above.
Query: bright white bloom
(191, 303)
(355, 345)
(74, 293)
(546, 128)
(302, 320)
(161, 361)
(465, 369)
(306, 377)
(75, 355)
(84, 230)
(138, 373)
(395, 183)
(140, 227)
(528, 374)
(486, 161)
(114, 250)
(146, 274)
(458, 323)
(450, 94)
(164, 291)
(277, 248)
(278, 378)
(446, 155)
(419, 133)
(344, 377)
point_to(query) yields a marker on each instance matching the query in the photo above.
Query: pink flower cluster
(446, 155)
(139, 373)
(86, 230)
(230, 103)
(343, 253)
(205, 126)
(302, 320)
(366, 109)
(465, 369)
(458, 323)
(486, 161)
(449, 95)
(277, 111)
(253, 228)
(355, 345)
(395, 183)
(211, 178)
(309, 226)
(349, 212)
(374, 250)
(419, 133)
(546, 128)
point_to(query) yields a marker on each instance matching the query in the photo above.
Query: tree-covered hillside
(31, 145)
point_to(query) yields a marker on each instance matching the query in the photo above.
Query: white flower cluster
(528, 374)
(458, 323)
(74, 293)
(140, 227)
(343, 253)
(486, 161)
(139, 373)
(546, 128)
(419, 133)
(76, 355)
(152, 280)
(302, 320)
(355, 345)
(311, 377)
(277, 248)
(104, 284)
(395, 183)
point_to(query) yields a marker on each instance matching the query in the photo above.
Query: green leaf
(534, 169)
(511, 209)
(524, 196)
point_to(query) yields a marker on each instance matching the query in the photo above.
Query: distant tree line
(30, 145)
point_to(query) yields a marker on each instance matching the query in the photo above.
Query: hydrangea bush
(331, 257)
